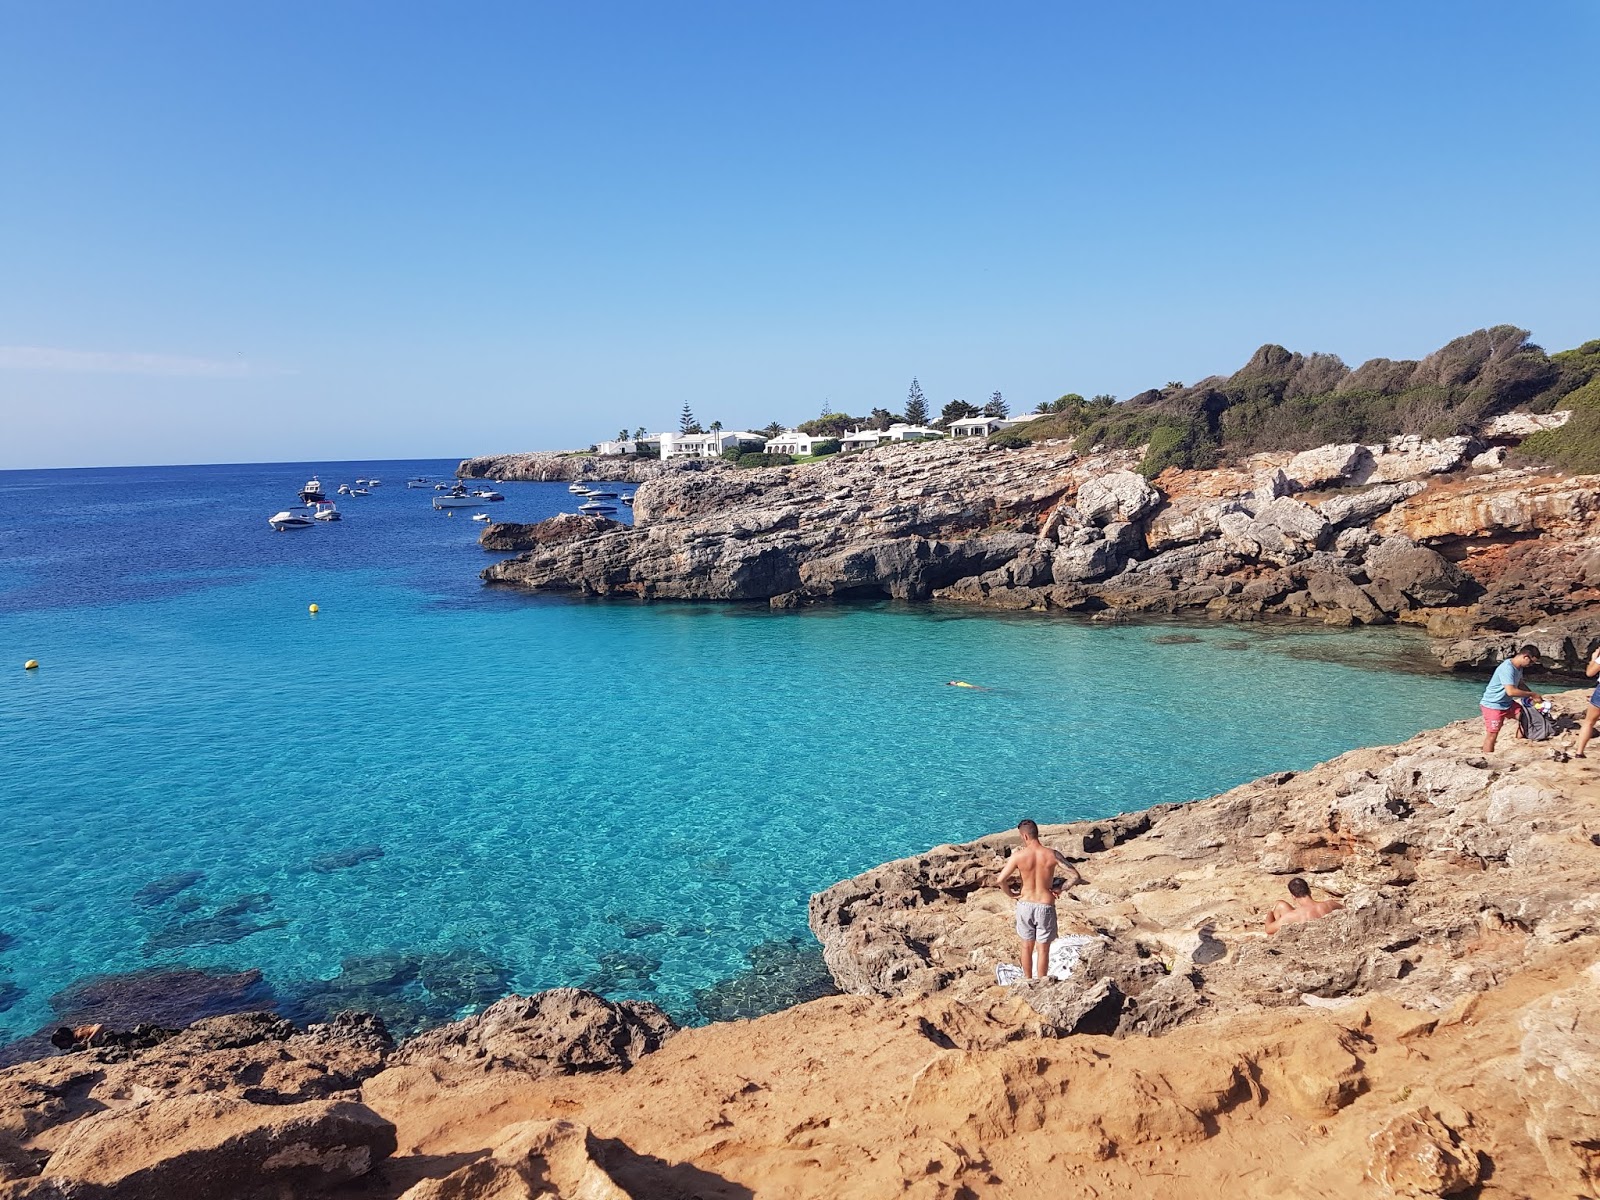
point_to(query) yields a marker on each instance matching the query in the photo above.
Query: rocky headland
(1442, 534)
(560, 466)
(1437, 1037)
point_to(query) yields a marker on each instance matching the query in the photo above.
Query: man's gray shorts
(1035, 922)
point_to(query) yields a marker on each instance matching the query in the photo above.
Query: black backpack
(1536, 726)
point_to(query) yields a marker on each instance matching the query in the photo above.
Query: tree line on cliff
(1282, 400)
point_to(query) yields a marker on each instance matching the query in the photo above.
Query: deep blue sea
(432, 792)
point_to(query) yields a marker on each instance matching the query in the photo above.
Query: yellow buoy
(315, 609)
(31, 665)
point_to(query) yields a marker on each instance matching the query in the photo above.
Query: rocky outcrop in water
(554, 466)
(1411, 531)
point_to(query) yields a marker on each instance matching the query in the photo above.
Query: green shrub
(765, 460)
(1189, 446)
(1011, 439)
(1575, 446)
(825, 447)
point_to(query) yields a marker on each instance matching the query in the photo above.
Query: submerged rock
(159, 890)
(409, 991)
(623, 971)
(781, 974)
(172, 997)
(326, 864)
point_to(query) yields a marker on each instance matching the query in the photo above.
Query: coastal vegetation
(1283, 400)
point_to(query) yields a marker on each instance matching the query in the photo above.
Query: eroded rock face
(553, 531)
(1415, 1154)
(1451, 867)
(533, 1160)
(557, 467)
(1560, 1080)
(561, 1031)
(210, 1147)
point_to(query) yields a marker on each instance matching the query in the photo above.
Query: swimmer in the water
(963, 683)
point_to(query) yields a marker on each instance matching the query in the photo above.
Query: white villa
(628, 446)
(706, 445)
(860, 439)
(792, 441)
(981, 426)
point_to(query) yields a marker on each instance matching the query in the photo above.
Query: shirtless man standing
(1035, 866)
(1303, 909)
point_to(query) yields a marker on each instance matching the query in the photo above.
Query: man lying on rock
(1303, 909)
(1035, 865)
(1504, 690)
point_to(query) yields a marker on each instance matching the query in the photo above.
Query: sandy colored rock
(1415, 1154)
(548, 1159)
(1560, 1079)
(208, 1147)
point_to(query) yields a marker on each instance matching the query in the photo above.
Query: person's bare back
(1303, 908)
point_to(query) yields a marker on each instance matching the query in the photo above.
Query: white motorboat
(361, 483)
(487, 494)
(577, 489)
(598, 495)
(457, 497)
(627, 498)
(344, 489)
(441, 487)
(595, 508)
(419, 482)
(289, 518)
(360, 491)
(312, 492)
(374, 483)
(325, 511)
(480, 516)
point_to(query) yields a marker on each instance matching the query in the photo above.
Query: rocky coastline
(1448, 535)
(1438, 1037)
(560, 466)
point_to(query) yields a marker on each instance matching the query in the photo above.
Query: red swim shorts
(1493, 718)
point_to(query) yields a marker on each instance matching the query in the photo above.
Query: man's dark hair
(1530, 651)
(1028, 827)
(1299, 887)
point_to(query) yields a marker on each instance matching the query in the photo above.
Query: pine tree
(916, 405)
(957, 410)
(686, 421)
(997, 406)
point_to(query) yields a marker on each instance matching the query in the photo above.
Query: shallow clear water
(545, 777)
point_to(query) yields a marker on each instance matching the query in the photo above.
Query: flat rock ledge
(1425, 533)
(1455, 869)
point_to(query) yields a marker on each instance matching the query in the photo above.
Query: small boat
(441, 487)
(578, 489)
(599, 495)
(421, 481)
(627, 498)
(289, 518)
(480, 516)
(594, 508)
(458, 497)
(344, 489)
(312, 492)
(361, 483)
(325, 511)
(487, 494)
(360, 491)
(374, 483)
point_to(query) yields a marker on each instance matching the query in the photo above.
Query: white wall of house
(792, 441)
(911, 433)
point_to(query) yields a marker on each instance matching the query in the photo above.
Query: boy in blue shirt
(1504, 690)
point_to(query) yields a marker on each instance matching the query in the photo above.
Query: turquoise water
(632, 796)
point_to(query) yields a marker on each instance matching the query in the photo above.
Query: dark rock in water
(1233, 644)
(636, 927)
(408, 992)
(188, 903)
(206, 931)
(6, 940)
(10, 993)
(623, 971)
(175, 997)
(326, 864)
(159, 890)
(1175, 639)
(781, 974)
(250, 902)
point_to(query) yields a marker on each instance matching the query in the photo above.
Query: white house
(912, 433)
(707, 445)
(628, 446)
(861, 439)
(792, 441)
(979, 426)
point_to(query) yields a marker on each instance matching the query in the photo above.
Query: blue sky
(297, 231)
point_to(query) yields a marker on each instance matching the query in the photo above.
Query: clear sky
(307, 230)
